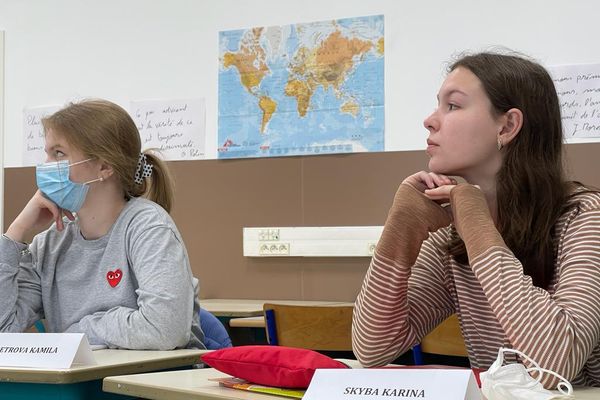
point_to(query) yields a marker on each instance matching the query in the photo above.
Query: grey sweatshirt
(132, 288)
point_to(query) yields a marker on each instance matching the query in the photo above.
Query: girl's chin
(436, 168)
(439, 169)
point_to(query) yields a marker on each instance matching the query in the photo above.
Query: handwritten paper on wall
(33, 134)
(175, 127)
(578, 88)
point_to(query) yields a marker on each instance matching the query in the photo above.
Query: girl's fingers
(57, 218)
(419, 181)
(424, 180)
(59, 223)
(440, 192)
(439, 179)
(429, 181)
(55, 211)
(69, 215)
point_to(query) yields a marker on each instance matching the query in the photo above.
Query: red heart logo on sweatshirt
(114, 277)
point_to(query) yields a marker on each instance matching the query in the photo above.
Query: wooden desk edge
(95, 372)
(203, 388)
(236, 314)
(247, 322)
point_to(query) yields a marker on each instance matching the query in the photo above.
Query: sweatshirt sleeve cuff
(471, 213)
(486, 238)
(11, 251)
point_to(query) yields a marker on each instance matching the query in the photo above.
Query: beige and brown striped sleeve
(387, 317)
(397, 305)
(558, 330)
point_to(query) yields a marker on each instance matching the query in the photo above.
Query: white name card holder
(379, 384)
(44, 350)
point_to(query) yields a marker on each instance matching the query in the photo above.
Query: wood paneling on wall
(215, 199)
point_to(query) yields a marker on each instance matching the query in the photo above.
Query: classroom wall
(1, 126)
(126, 50)
(216, 199)
(63, 50)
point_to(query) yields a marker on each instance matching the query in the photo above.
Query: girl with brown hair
(116, 268)
(514, 251)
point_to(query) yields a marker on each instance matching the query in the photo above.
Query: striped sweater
(496, 303)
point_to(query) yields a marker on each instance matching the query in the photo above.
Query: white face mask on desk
(513, 382)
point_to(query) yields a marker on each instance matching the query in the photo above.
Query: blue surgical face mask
(53, 181)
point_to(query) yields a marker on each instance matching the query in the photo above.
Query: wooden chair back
(324, 328)
(446, 339)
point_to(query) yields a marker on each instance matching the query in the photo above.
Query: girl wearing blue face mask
(116, 267)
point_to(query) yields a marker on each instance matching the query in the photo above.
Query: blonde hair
(103, 130)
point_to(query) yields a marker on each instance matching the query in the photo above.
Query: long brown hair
(531, 187)
(105, 131)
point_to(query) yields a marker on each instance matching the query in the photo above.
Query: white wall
(62, 50)
(1, 127)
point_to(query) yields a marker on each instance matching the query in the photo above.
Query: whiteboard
(132, 50)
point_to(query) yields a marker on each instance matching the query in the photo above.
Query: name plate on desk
(378, 384)
(44, 350)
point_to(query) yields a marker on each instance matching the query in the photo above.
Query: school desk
(179, 385)
(233, 308)
(85, 382)
(194, 385)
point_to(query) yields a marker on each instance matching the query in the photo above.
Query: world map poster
(307, 88)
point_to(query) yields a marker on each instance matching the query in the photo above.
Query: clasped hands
(424, 203)
(439, 188)
(436, 187)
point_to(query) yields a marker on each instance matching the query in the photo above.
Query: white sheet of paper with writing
(578, 88)
(45, 350)
(175, 127)
(33, 134)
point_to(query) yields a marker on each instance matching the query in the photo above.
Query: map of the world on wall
(311, 88)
